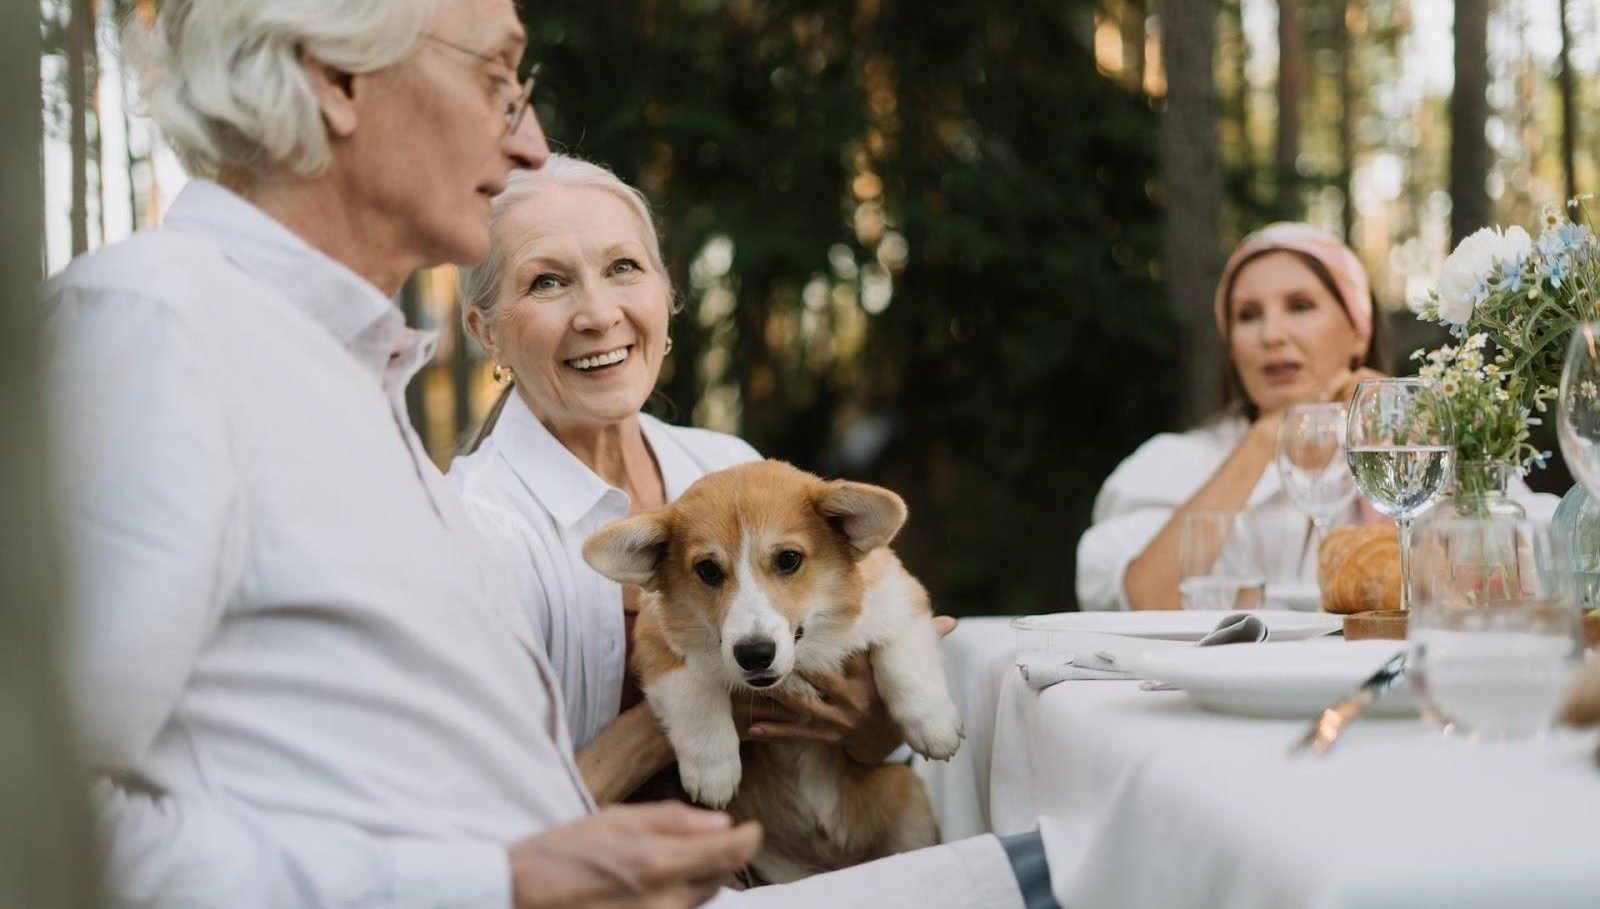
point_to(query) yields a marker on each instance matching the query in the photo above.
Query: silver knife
(1333, 719)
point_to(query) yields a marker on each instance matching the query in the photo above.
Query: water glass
(1400, 440)
(1578, 408)
(1219, 563)
(1311, 462)
(1494, 629)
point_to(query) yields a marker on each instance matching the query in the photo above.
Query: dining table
(1152, 801)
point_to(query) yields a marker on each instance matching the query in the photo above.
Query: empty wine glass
(1219, 564)
(1399, 440)
(1312, 465)
(1578, 408)
(1494, 629)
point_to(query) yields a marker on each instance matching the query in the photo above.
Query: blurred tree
(1291, 78)
(80, 40)
(1470, 160)
(916, 244)
(1566, 82)
(1191, 179)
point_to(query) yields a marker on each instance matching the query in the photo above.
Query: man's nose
(525, 146)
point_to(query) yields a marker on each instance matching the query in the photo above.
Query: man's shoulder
(161, 266)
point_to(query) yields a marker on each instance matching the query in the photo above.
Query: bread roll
(1358, 569)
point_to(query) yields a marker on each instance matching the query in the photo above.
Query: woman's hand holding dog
(850, 712)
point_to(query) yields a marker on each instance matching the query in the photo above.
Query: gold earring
(669, 346)
(504, 375)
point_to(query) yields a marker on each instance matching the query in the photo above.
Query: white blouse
(537, 503)
(1140, 496)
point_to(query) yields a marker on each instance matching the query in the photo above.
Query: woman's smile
(603, 362)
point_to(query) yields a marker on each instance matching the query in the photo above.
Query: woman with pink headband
(1299, 324)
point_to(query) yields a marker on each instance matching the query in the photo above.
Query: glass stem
(1404, 526)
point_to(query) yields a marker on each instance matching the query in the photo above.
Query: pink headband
(1348, 274)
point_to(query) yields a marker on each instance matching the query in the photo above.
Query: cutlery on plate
(1331, 722)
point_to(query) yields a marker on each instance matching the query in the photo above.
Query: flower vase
(1478, 490)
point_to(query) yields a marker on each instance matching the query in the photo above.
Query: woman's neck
(618, 454)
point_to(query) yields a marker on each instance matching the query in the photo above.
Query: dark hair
(1379, 357)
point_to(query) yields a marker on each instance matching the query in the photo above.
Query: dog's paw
(935, 734)
(711, 780)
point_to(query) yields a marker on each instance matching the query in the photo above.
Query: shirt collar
(564, 485)
(363, 320)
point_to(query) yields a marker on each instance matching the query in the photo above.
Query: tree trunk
(1343, 10)
(1247, 149)
(1134, 13)
(1191, 172)
(92, 79)
(78, 106)
(1291, 65)
(1569, 104)
(46, 856)
(1469, 115)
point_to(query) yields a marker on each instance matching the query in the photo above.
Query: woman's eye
(709, 572)
(1301, 304)
(788, 561)
(1248, 314)
(544, 283)
(625, 267)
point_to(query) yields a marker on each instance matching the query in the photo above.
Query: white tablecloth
(1156, 803)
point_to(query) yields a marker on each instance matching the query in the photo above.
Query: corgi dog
(755, 575)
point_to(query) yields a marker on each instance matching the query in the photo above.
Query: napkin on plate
(1098, 656)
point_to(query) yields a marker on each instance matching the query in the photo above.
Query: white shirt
(297, 673)
(537, 503)
(1140, 496)
(301, 679)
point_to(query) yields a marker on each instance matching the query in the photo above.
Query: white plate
(1173, 625)
(1299, 597)
(1290, 680)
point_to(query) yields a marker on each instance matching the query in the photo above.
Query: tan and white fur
(757, 574)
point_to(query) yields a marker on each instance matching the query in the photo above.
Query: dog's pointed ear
(866, 516)
(630, 551)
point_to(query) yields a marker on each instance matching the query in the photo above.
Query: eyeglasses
(512, 96)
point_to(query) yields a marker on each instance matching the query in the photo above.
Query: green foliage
(966, 156)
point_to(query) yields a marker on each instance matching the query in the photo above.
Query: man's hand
(850, 713)
(663, 855)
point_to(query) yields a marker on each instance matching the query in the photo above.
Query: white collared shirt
(1140, 496)
(298, 677)
(536, 503)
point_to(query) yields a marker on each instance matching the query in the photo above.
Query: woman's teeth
(599, 360)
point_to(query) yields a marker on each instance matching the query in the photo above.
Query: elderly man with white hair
(302, 681)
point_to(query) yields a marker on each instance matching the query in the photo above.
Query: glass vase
(1478, 490)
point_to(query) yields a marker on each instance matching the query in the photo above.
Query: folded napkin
(1097, 656)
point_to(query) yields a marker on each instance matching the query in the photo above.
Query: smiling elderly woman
(572, 305)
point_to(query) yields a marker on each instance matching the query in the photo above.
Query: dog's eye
(788, 561)
(709, 572)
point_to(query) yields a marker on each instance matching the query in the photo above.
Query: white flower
(1463, 280)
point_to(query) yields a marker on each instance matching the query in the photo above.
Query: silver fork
(1334, 718)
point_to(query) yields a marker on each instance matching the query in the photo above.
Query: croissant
(1358, 569)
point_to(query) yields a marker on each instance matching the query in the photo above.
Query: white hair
(224, 79)
(481, 285)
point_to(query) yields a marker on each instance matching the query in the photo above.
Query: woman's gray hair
(224, 80)
(481, 285)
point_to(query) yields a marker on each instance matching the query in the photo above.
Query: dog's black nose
(755, 653)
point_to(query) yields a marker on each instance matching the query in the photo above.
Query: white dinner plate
(1175, 625)
(1299, 597)
(1288, 680)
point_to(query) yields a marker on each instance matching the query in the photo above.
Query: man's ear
(866, 516)
(335, 91)
(630, 551)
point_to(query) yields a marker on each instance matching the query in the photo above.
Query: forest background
(966, 250)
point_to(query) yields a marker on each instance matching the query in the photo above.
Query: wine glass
(1494, 630)
(1219, 564)
(1578, 408)
(1312, 465)
(1399, 440)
